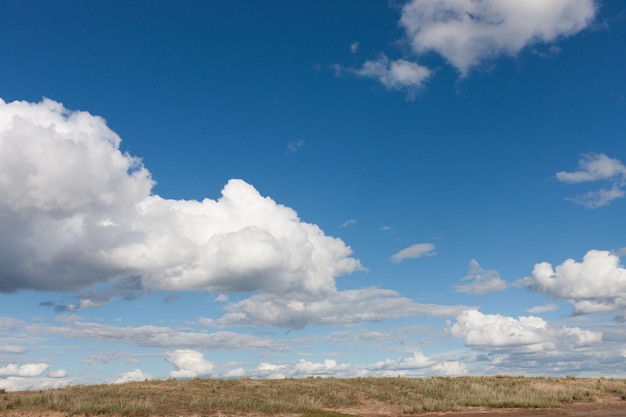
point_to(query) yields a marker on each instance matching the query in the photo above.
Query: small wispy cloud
(594, 167)
(348, 223)
(171, 299)
(222, 298)
(398, 74)
(386, 229)
(482, 280)
(543, 309)
(418, 250)
(354, 47)
(294, 146)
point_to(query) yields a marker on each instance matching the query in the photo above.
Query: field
(329, 397)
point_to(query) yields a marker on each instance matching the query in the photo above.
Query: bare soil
(604, 407)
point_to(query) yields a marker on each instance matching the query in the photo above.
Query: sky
(286, 189)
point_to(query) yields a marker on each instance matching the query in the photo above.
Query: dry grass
(309, 397)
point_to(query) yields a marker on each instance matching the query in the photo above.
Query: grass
(310, 397)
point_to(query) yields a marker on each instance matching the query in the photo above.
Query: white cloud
(597, 284)
(543, 309)
(326, 368)
(483, 281)
(358, 336)
(29, 369)
(348, 223)
(59, 373)
(189, 364)
(270, 371)
(136, 375)
(34, 384)
(234, 373)
(600, 198)
(156, 336)
(354, 47)
(597, 167)
(494, 330)
(80, 212)
(450, 368)
(334, 309)
(466, 32)
(221, 298)
(418, 250)
(593, 167)
(522, 335)
(417, 361)
(397, 74)
(12, 349)
(294, 146)
(416, 365)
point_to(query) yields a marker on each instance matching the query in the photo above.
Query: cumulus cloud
(483, 281)
(525, 334)
(418, 250)
(494, 330)
(450, 368)
(595, 285)
(398, 74)
(58, 373)
(34, 384)
(189, 364)
(334, 309)
(271, 371)
(328, 367)
(466, 32)
(597, 167)
(417, 361)
(136, 375)
(77, 211)
(416, 364)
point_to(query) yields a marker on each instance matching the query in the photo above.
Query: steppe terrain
(330, 397)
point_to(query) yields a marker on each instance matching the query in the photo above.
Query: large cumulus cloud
(77, 211)
(595, 285)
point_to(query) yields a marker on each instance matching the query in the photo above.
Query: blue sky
(278, 189)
